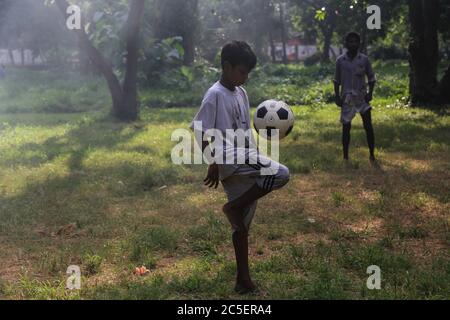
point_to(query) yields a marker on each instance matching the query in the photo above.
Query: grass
(78, 188)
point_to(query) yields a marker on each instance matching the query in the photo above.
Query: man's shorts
(247, 175)
(348, 113)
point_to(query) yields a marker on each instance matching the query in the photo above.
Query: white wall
(304, 51)
(28, 58)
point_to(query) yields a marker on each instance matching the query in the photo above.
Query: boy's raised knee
(283, 176)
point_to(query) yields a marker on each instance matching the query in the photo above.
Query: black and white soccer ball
(274, 115)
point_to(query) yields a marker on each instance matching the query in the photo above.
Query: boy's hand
(369, 97)
(212, 179)
(338, 101)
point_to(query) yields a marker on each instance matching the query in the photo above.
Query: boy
(226, 107)
(351, 69)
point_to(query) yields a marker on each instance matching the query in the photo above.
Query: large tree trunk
(424, 50)
(283, 33)
(125, 102)
(326, 46)
(272, 47)
(328, 28)
(189, 49)
(364, 40)
(189, 35)
(129, 107)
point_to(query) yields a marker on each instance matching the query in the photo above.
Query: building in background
(298, 50)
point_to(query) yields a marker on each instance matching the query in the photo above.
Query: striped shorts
(247, 175)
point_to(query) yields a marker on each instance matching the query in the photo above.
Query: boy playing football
(226, 107)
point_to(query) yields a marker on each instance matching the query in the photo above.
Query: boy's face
(237, 75)
(352, 44)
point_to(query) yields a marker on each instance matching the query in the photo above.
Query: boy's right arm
(207, 116)
(212, 178)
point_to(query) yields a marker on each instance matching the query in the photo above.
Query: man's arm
(337, 94)
(369, 96)
(372, 81)
(337, 85)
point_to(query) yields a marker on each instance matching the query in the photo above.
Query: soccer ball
(273, 115)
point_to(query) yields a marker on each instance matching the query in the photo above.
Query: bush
(92, 264)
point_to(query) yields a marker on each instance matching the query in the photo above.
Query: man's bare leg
(234, 212)
(367, 120)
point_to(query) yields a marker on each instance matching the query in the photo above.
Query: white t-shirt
(223, 109)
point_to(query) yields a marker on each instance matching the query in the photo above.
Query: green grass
(78, 188)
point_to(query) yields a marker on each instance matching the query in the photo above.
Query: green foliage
(160, 59)
(149, 240)
(34, 289)
(181, 86)
(44, 92)
(205, 237)
(92, 263)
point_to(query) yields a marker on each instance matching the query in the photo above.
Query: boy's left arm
(371, 79)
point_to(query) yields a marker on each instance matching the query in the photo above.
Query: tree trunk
(328, 28)
(326, 46)
(129, 107)
(444, 87)
(283, 33)
(190, 33)
(272, 47)
(364, 40)
(189, 49)
(424, 50)
(125, 102)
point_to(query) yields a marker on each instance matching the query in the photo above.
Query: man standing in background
(351, 92)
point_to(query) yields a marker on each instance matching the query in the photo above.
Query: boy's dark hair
(352, 34)
(239, 53)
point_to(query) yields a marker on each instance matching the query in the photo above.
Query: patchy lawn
(81, 189)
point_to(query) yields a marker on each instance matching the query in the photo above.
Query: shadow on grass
(83, 196)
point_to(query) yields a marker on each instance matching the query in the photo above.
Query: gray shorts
(246, 176)
(348, 113)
